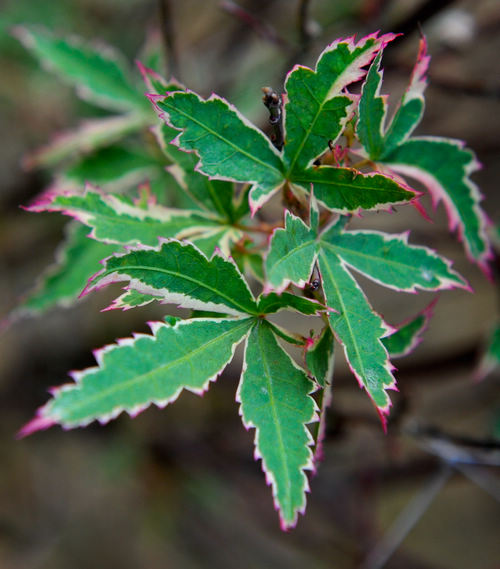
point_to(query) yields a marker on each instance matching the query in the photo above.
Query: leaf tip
(38, 423)
(23, 34)
(383, 416)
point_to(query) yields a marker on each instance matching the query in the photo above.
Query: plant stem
(273, 102)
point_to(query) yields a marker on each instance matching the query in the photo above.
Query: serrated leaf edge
(445, 283)
(182, 300)
(439, 194)
(427, 313)
(309, 465)
(301, 283)
(156, 212)
(383, 411)
(163, 115)
(42, 422)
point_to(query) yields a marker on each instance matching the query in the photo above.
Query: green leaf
(78, 258)
(228, 146)
(359, 329)
(411, 108)
(320, 357)
(318, 108)
(98, 72)
(275, 400)
(139, 371)
(408, 334)
(380, 139)
(115, 219)
(273, 302)
(442, 165)
(390, 261)
(348, 190)
(372, 112)
(115, 165)
(88, 137)
(291, 254)
(212, 195)
(178, 273)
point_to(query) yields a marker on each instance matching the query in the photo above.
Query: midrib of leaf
(308, 131)
(346, 318)
(395, 265)
(144, 377)
(178, 275)
(342, 187)
(272, 403)
(225, 140)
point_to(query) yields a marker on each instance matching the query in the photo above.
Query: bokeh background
(179, 488)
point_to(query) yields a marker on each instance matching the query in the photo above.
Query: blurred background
(179, 488)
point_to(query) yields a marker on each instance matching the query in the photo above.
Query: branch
(273, 102)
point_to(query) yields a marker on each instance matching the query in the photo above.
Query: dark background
(179, 488)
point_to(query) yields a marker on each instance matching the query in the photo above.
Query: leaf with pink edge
(180, 274)
(359, 329)
(99, 73)
(275, 400)
(210, 194)
(320, 357)
(386, 259)
(318, 107)
(291, 254)
(348, 190)
(442, 165)
(147, 369)
(228, 146)
(390, 261)
(116, 219)
(380, 139)
(408, 335)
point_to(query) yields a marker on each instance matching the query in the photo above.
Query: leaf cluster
(194, 237)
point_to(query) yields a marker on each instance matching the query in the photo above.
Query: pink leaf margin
(43, 420)
(308, 466)
(438, 194)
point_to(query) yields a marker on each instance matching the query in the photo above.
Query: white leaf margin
(42, 422)
(180, 299)
(307, 466)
